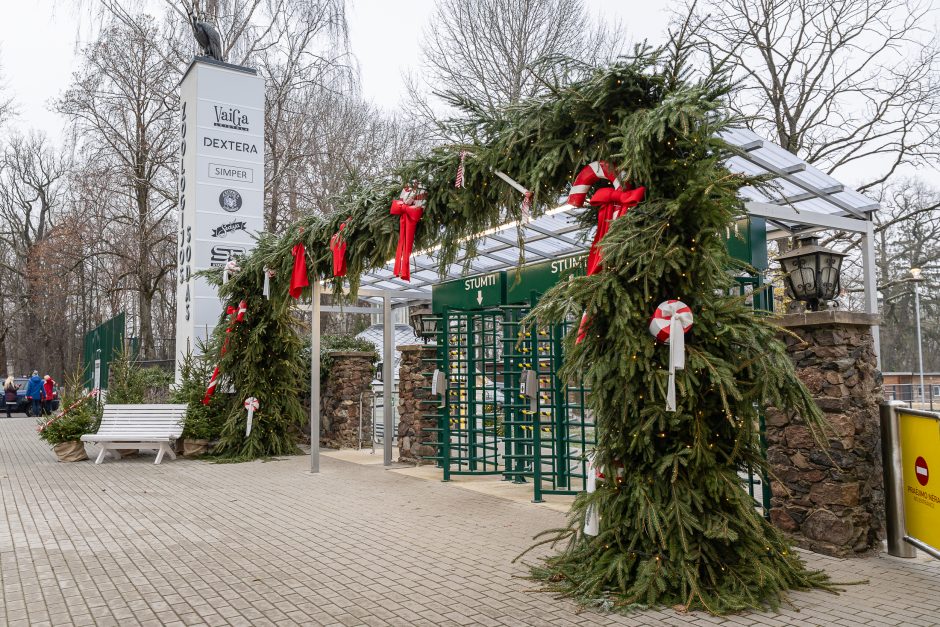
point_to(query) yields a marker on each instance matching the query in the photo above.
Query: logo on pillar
(230, 200)
(921, 471)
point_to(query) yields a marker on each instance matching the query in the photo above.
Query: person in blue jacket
(34, 392)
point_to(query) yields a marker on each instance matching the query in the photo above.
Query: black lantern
(424, 322)
(812, 272)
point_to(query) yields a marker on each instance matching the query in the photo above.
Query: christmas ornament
(298, 278)
(590, 174)
(410, 206)
(251, 404)
(213, 382)
(458, 183)
(268, 275)
(671, 321)
(230, 266)
(592, 521)
(338, 247)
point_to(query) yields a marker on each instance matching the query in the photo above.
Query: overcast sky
(39, 40)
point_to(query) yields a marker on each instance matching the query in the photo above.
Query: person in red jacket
(48, 394)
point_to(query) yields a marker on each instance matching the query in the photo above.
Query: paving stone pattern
(194, 543)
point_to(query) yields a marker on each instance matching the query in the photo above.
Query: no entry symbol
(920, 470)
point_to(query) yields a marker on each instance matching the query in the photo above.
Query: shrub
(202, 422)
(78, 416)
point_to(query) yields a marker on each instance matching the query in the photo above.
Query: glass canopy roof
(803, 189)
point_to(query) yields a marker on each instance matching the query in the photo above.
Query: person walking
(34, 393)
(9, 394)
(48, 394)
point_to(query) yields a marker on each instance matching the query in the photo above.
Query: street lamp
(915, 278)
(811, 272)
(424, 322)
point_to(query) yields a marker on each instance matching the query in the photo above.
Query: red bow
(612, 204)
(410, 215)
(338, 246)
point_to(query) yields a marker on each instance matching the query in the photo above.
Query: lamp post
(915, 278)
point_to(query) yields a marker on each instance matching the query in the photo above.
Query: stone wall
(830, 501)
(416, 405)
(350, 376)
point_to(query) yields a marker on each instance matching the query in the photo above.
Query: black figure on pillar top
(207, 37)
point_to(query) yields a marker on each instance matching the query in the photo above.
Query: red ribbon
(338, 246)
(410, 215)
(239, 313)
(298, 278)
(612, 204)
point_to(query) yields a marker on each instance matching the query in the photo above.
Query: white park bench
(138, 427)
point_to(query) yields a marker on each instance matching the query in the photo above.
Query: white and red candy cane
(458, 183)
(662, 319)
(587, 177)
(251, 406)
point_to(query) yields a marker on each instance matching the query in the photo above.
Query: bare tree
(122, 104)
(32, 191)
(842, 83)
(498, 52)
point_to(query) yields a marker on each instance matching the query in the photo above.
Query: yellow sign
(920, 462)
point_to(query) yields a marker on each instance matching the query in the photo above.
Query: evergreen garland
(676, 526)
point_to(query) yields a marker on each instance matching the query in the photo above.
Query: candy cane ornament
(670, 322)
(230, 266)
(458, 183)
(587, 177)
(251, 405)
(268, 275)
(410, 207)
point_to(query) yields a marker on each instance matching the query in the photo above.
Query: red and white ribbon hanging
(230, 266)
(268, 275)
(251, 405)
(458, 183)
(213, 382)
(592, 520)
(410, 207)
(670, 322)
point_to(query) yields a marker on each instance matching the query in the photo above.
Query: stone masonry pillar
(830, 501)
(416, 405)
(346, 390)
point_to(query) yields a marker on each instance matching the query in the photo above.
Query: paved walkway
(187, 542)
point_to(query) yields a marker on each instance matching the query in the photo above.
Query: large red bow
(410, 215)
(612, 204)
(338, 246)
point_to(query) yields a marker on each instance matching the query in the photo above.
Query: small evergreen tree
(202, 422)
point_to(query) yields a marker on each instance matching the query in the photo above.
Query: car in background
(26, 406)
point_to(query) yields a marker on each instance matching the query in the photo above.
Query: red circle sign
(920, 471)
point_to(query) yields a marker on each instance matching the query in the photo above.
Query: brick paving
(194, 543)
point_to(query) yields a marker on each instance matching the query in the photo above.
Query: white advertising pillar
(221, 186)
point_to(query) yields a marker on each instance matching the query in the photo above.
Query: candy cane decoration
(213, 382)
(458, 183)
(268, 275)
(588, 176)
(251, 404)
(592, 520)
(230, 266)
(410, 206)
(670, 322)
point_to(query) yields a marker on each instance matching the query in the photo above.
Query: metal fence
(910, 393)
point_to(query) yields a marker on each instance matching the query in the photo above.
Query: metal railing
(910, 394)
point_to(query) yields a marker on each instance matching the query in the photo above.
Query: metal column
(894, 480)
(870, 278)
(315, 377)
(388, 357)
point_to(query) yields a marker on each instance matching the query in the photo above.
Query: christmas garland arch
(670, 523)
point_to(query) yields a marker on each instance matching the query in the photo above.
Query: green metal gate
(488, 424)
